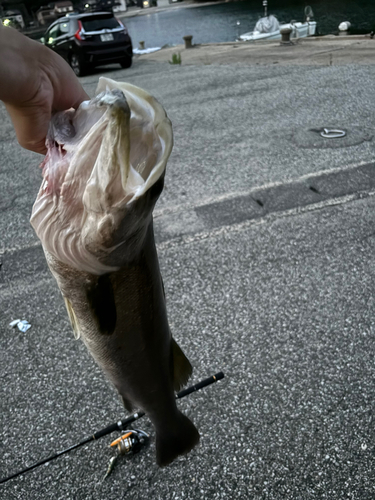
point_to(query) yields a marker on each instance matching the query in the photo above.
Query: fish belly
(122, 319)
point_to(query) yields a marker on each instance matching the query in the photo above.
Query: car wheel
(77, 66)
(126, 63)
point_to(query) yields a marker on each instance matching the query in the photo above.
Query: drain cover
(331, 137)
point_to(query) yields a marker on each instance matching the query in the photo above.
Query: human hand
(34, 83)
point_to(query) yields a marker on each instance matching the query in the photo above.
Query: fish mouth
(101, 158)
(102, 146)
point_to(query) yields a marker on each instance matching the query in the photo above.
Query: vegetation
(176, 59)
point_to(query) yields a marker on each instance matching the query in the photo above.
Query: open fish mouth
(101, 159)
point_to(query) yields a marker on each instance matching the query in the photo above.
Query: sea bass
(102, 176)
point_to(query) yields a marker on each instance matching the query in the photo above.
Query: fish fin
(127, 403)
(182, 368)
(102, 302)
(162, 285)
(72, 317)
(172, 442)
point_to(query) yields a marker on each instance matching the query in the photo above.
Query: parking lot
(265, 237)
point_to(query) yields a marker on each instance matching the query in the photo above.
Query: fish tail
(172, 442)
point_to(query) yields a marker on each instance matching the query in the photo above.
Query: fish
(102, 175)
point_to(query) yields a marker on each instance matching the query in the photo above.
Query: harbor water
(219, 23)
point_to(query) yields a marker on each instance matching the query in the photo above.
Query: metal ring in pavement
(332, 133)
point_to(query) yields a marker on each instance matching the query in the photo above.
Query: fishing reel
(127, 444)
(131, 442)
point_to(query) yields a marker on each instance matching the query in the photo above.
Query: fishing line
(118, 426)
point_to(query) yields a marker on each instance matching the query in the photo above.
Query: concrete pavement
(266, 243)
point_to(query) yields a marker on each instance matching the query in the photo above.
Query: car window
(97, 24)
(52, 34)
(64, 27)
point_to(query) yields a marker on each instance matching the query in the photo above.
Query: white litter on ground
(22, 325)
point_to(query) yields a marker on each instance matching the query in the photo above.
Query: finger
(31, 126)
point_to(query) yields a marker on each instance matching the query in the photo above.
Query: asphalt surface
(266, 244)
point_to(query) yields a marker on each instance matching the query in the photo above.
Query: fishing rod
(118, 426)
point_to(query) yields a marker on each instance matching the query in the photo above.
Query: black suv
(88, 40)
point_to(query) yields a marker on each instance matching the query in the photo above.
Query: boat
(268, 28)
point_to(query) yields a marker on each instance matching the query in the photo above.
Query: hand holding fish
(34, 83)
(103, 173)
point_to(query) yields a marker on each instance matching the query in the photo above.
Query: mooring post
(188, 39)
(285, 36)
